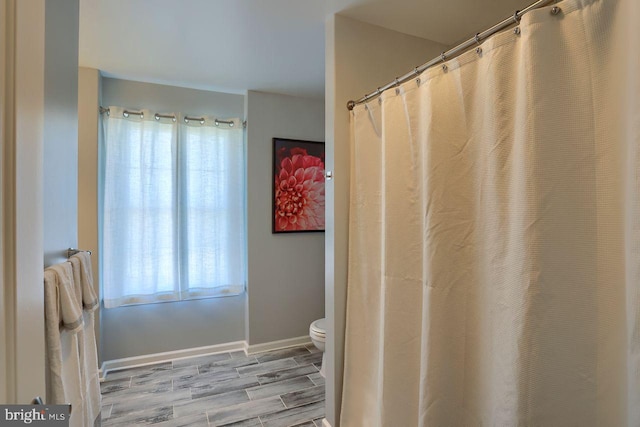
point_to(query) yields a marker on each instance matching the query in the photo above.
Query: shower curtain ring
(397, 86)
(516, 20)
(379, 92)
(444, 58)
(479, 48)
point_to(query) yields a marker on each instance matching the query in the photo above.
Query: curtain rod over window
(186, 119)
(457, 50)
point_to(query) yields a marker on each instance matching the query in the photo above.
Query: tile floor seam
(284, 404)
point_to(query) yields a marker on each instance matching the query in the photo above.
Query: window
(172, 208)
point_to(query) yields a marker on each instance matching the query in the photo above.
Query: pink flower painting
(298, 190)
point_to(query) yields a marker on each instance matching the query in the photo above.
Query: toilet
(317, 332)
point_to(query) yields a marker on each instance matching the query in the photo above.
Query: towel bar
(72, 251)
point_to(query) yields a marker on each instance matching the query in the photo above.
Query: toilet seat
(318, 328)
(317, 337)
(317, 333)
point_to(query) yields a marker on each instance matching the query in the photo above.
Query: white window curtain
(172, 209)
(212, 212)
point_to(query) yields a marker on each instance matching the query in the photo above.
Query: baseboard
(150, 359)
(325, 423)
(276, 345)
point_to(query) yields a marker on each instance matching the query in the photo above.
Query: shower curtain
(494, 247)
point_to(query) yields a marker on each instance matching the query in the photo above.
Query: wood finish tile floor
(280, 388)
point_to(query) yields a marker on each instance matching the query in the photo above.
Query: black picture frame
(298, 187)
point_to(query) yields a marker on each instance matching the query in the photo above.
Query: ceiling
(264, 45)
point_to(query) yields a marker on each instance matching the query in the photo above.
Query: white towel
(63, 321)
(90, 380)
(89, 298)
(72, 377)
(68, 311)
(55, 391)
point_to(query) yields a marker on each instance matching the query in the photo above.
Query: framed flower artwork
(298, 186)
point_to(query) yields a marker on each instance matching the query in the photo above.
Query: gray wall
(354, 67)
(162, 98)
(60, 129)
(286, 271)
(153, 328)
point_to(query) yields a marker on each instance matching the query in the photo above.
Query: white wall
(285, 271)
(39, 66)
(88, 104)
(27, 223)
(60, 129)
(359, 58)
(6, 83)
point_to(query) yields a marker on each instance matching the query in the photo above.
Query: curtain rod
(186, 119)
(457, 50)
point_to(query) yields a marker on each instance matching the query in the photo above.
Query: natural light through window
(173, 208)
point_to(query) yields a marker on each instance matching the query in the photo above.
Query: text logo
(35, 415)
